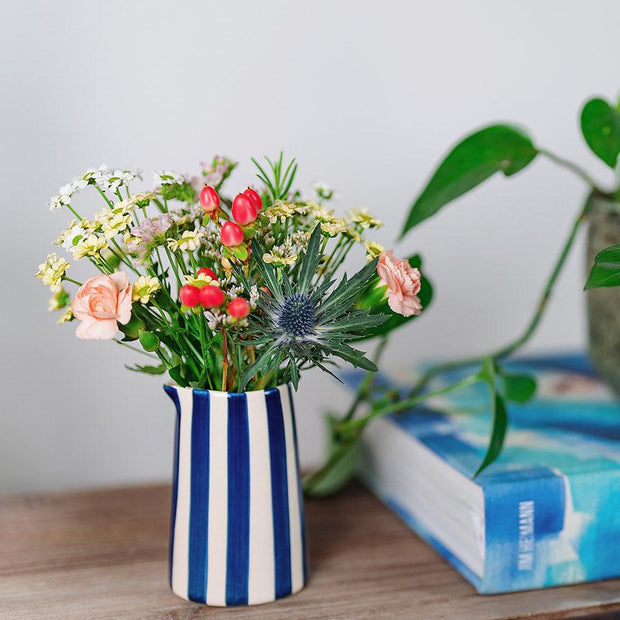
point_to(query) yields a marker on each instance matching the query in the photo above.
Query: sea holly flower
(300, 321)
(101, 303)
(52, 271)
(143, 288)
(403, 284)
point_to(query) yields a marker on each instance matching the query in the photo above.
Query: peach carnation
(403, 284)
(100, 304)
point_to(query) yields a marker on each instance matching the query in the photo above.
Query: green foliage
(280, 181)
(344, 458)
(133, 328)
(496, 148)
(373, 299)
(149, 341)
(499, 417)
(600, 125)
(606, 269)
(149, 370)
(518, 388)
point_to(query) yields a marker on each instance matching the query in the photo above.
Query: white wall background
(367, 95)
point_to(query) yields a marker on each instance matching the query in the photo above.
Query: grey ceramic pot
(604, 303)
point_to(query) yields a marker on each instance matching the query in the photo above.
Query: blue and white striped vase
(237, 534)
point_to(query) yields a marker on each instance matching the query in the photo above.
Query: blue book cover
(546, 513)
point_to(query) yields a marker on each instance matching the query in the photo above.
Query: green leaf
(310, 261)
(149, 341)
(496, 148)
(600, 125)
(344, 467)
(149, 370)
(240, 252)
(374, 299)
(499, 418)
(606, 269)
(519, 388)
(133, 328)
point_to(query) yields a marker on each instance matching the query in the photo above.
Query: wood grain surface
(103, 554)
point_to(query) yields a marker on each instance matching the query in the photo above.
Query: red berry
(243, 211)
(211, 296)
(207, 272)
(239, 308)
(209, 200)
(255, 199)
(231, 234)
(190, 296)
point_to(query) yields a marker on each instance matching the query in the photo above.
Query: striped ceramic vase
(237, 532)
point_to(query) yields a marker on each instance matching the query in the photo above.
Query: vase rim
(202, 390)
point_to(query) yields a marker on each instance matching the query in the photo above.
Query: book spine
(524, 520)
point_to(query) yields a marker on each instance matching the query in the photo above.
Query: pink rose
(403, 283)
(101, 303)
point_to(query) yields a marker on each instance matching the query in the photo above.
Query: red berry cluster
(245, 209)
(211, 296)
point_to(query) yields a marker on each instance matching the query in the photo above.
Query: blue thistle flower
(300, 324)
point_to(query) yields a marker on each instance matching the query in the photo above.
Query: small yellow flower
(279, 259)
(59, 300)
(115, 221)
(280, 209)
(373, 250)
(336, 226)
(67, 315)
(52, 271)
(142, 199)
(143, 289)
(89, 246)
(188, 242)
(200, 280)
(364, 218)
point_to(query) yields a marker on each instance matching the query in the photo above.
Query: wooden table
(103, 554)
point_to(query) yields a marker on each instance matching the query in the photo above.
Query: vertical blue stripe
(238, 552)
(172, 392)
(199, 502)
(302, 513)
(279, 493)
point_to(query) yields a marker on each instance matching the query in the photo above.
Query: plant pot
(604, 303)
(237, 533)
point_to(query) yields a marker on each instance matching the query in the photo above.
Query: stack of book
(546, 513)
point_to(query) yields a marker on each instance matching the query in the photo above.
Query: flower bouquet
(233, 298)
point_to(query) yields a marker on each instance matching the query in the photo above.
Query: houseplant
(233, 299)
(477, 157)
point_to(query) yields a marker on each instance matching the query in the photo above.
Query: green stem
(366, 384)
(72, 280)
(406, 404)
(135, 349)
(534, 322)
(569, 165)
